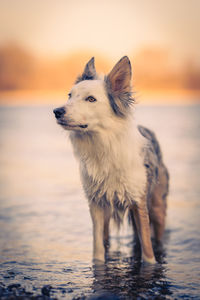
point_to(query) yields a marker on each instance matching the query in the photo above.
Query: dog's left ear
(118, 84)
(89, 72)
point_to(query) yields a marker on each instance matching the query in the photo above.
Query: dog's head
(93, 102)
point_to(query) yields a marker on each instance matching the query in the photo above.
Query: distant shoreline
(143, 97)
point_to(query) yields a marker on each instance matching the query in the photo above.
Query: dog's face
(85, 106)
(93, 102)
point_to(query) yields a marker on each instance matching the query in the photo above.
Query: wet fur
(121, 163)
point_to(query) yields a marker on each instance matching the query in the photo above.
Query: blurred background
(45, 44)
(46, 232)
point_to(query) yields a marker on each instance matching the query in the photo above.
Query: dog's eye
(69, 95)
(90, 99)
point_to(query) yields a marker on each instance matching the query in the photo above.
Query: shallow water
(46, 233)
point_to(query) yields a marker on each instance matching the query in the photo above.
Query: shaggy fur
(121, 164)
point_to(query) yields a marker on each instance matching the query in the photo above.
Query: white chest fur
(111, 166)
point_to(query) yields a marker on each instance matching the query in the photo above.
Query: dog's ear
(89, 72)
(118, 84)
(120, 76)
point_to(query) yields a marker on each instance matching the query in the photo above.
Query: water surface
(46, 233)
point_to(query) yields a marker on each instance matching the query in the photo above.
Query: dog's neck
(107, 147)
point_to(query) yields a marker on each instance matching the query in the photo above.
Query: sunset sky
(113, 28)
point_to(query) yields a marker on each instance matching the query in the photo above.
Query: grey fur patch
(152, 158)
(155, 167)
(85, 77)
(120, 104)
(150, 135)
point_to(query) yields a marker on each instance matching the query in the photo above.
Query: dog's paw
(98, 258)
(149, 260)
(98, 262)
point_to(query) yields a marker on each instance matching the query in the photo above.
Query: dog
(121, 164)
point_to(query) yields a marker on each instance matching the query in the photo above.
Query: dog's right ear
(89, 72)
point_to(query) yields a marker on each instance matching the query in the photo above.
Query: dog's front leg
(141, 218)
(97, 214)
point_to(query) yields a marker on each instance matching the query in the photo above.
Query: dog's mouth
(71, 126)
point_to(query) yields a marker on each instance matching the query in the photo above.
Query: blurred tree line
(153, 68)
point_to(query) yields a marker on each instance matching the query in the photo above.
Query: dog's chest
(111, 169)
(114, 180)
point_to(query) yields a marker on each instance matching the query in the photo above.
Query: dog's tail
(150, 135)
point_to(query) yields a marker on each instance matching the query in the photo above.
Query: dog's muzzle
(59, 112)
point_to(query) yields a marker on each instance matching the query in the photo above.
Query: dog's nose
(59, 112)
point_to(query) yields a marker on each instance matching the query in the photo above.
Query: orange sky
(113, 28)
(49, 41)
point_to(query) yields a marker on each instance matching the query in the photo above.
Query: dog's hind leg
(97, 214)
(141, 218)
(157, 216)
(157, 210)
(107, 215)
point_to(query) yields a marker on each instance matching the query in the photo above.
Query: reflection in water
(46, 232)
(128, 278)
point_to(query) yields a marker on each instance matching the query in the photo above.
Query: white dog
(120, 163)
